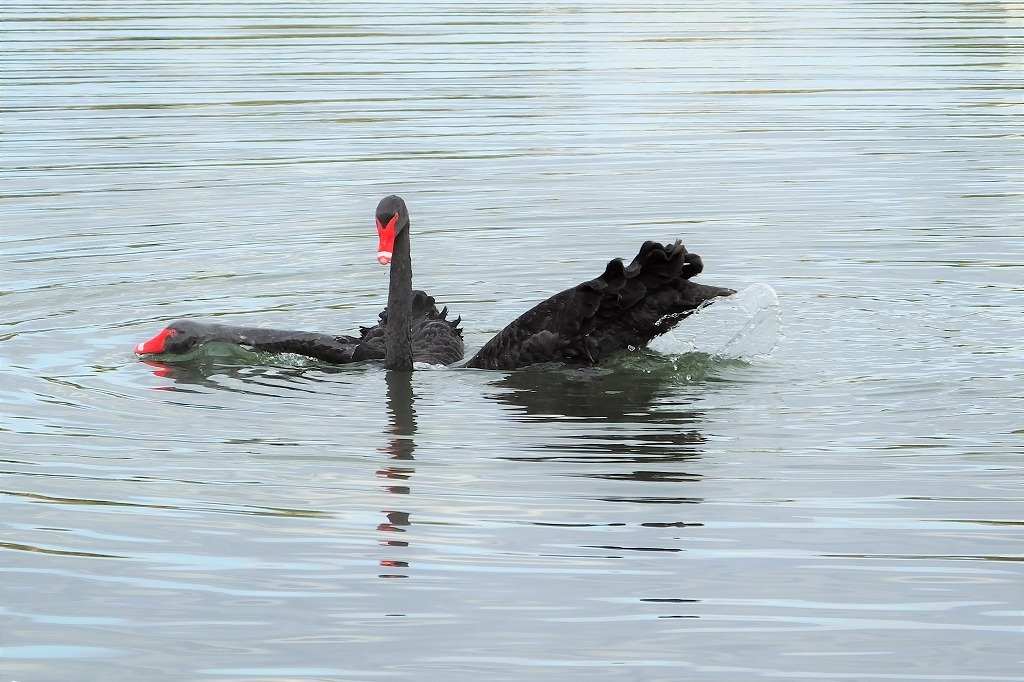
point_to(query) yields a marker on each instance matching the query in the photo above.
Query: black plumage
(435, 339)
(625, 307)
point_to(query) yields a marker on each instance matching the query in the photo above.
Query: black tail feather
(625, 306)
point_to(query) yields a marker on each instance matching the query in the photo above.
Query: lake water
(836, 495)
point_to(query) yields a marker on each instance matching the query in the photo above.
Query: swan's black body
(625, 307)
(434, 339)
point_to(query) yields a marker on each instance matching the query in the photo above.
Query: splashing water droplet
(743, 326)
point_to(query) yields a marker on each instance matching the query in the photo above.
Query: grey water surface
(845, 506)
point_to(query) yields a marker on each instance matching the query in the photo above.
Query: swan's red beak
(155, 344)
(387, 240)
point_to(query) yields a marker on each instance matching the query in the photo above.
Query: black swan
(626, 306)
(435, 339)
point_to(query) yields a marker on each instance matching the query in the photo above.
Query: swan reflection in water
(654, 432)
(400, 447)
(655, 437)
(629, 422)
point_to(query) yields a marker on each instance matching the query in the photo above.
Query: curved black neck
(399, 337)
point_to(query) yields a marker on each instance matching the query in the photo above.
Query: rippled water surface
(846, 506)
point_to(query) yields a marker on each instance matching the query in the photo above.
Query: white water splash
(420, 366)
(745, 325)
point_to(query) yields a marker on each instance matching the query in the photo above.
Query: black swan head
(392, 219)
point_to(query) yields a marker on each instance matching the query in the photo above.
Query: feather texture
(626, 306)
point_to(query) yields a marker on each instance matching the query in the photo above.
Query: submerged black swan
(627, 306)
(435, 339)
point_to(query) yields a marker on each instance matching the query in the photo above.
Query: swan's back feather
(436, 340)
(627, 305)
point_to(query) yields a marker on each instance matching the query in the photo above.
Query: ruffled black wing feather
(435, 339)
(626, 306)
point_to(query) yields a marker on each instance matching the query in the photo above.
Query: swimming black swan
(435, 339)
(627, 306)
